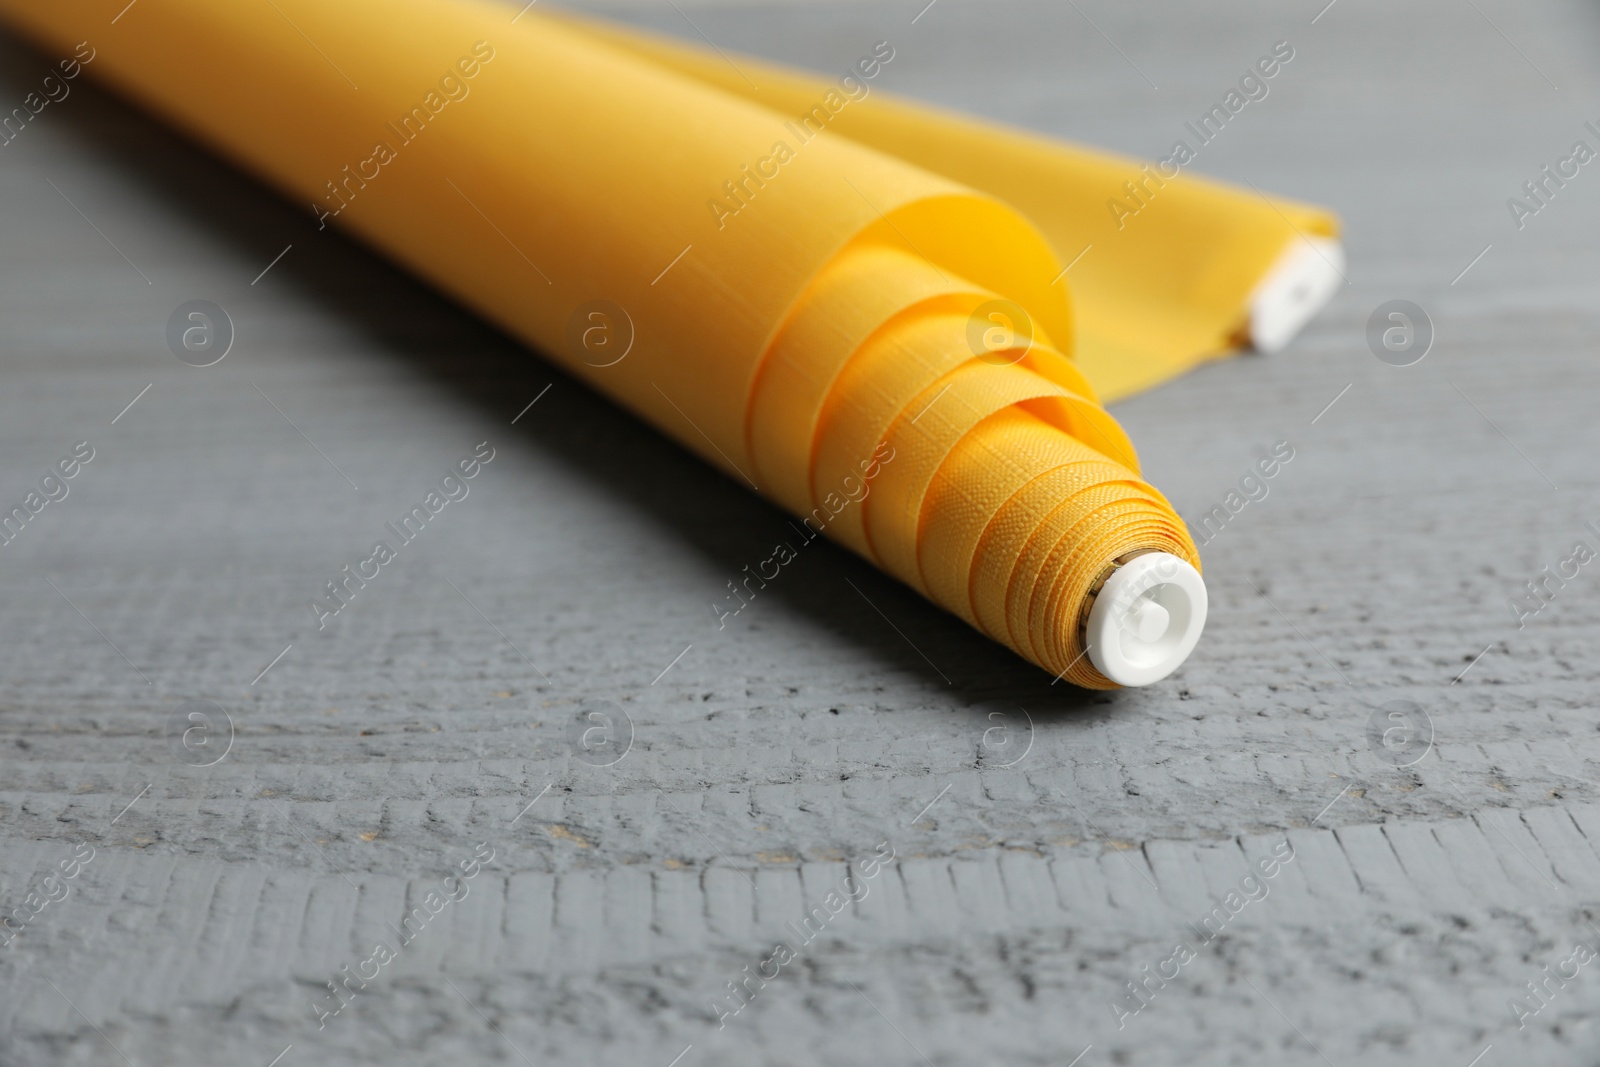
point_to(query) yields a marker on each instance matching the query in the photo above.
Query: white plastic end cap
(1299, 285)
(1146, 619)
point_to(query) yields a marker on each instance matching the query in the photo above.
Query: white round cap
(1306, 276)
(1146, 619)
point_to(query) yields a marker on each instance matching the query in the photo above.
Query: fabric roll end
(1145, 618)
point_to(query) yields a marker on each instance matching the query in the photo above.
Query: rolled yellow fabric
(868, 330)
(1156, 292)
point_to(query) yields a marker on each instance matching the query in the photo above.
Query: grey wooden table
(1049, 847)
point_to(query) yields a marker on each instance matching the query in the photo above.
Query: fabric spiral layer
(880, 337)
(992, 481)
